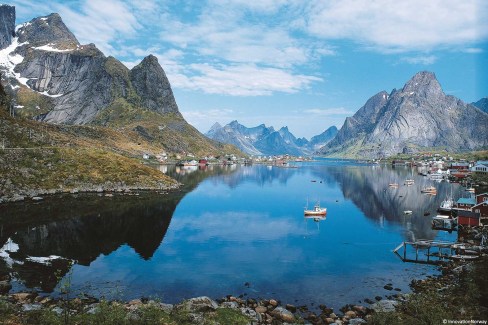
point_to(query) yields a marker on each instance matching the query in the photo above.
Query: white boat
(429, 190)
(408, 212)
(409, 181)
(446, 205)
(316, 211)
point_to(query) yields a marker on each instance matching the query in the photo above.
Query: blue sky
(304, 64)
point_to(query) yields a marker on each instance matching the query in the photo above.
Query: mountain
(259, 140)
(7, 25)
(482, 104)
(55, 79)
(418, 116)
(323, 138)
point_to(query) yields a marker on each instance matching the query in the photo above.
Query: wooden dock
(426, 251)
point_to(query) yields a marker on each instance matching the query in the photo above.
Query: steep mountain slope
(259, 140)
(323, 138)
(420, 115)
(7, 25)
(55, 79)
(482, 104)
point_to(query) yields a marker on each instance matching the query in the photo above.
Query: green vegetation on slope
(169, 131)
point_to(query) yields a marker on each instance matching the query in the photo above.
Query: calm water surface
(226, 228)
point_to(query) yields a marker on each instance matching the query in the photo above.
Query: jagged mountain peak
(482, 104)
(47, 30)
(150, 60)
(423, 83)
(152, 86)
(420, 115)
(216, 126)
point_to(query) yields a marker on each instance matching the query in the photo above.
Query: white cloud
(101, 22)
(328, 111)
(245, 80)
(392, 26)
(422, 59)
(474, 50)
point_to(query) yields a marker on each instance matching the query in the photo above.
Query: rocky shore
(108, 189)
(459, 292)
(199, 310)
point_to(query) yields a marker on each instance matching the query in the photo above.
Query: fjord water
(236, 230)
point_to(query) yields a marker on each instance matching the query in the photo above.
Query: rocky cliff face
(79, 81)
(7, 25)
(152, 86)
(418, 116)
(47, 30)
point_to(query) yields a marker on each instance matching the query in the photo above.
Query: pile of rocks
(266, 311)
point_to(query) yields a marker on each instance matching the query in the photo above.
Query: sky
(302, 64)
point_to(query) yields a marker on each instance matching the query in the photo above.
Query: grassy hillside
(168, 131)
(38, 158)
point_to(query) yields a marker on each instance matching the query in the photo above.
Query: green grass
(113, 313)
(465, 298)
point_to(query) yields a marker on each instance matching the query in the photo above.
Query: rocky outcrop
(420, 115)
(79, 81)
(7, 25)
(152, 86)
(47, 30)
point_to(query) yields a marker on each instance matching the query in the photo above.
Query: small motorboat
(316, 211)
(429, 190)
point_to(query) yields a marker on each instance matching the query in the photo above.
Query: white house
(481, 166)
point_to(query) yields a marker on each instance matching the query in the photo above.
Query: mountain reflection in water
(226, 226)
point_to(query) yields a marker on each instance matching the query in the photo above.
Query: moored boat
(446, 205)
(409, 181)
(316, 211)
(429, 190)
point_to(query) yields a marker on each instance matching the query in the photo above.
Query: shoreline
(35, 195)
(200, 310)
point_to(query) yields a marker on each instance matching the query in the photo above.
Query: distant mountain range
(263, 140)
(55, 79)
(482, 104)
(418, 116)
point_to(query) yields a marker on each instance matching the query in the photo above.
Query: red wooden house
(468, 218)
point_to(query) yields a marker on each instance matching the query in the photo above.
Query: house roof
(464, 200)
(468, 214)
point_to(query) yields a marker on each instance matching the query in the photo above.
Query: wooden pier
(427, 251)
